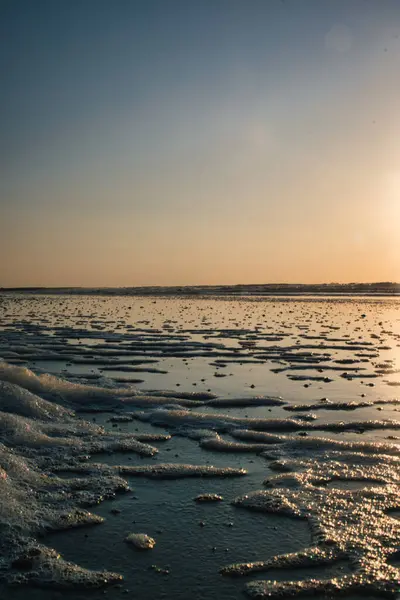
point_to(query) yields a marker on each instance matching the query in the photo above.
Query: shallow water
(303, 387)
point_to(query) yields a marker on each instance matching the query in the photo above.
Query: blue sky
(163, 141)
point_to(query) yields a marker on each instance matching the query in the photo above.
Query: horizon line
(200, 285)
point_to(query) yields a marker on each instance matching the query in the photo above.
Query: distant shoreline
(330, 289)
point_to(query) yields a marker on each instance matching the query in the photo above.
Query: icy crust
(352, 525)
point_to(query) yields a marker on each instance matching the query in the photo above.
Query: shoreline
(374, 290)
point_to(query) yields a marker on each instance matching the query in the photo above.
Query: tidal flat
(117, 413)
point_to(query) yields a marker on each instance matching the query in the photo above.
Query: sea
(255, 441)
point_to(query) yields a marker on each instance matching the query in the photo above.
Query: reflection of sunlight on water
(241, 348)
(231, 323)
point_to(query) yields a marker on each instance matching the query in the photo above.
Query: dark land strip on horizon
(269, 289)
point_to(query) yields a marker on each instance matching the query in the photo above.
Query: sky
(179, 142)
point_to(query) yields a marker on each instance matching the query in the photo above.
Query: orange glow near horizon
(269, 154)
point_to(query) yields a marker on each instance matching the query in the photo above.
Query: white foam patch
(56, 388)
(41, 443)
(350, 524)
(141, 541)
(18, 400)
(343, 488)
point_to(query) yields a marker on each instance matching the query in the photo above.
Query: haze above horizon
(147, 142)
